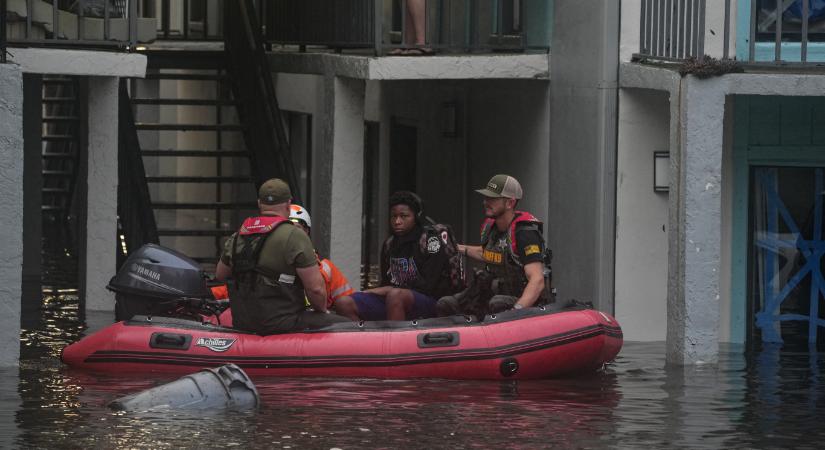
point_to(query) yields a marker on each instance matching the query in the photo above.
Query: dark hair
(408, 198)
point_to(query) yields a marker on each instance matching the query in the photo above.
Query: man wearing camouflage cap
(512, 249)
(271, 265)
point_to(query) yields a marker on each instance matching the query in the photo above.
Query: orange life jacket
(337, 284)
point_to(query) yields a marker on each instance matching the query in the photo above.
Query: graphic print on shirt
(402, 271)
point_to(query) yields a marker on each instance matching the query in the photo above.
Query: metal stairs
(197, 166)
(60, 145)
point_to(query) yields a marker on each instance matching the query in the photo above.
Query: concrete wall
(509, 132)
(305, 94)
(726, 313)
(641, 224)
(641, 216)
(630, 23)
(98, 258)
(11, 203)
(583, 96)
(79, 62)
(344, 152)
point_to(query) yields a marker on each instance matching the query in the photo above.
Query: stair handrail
(251, 81)
(134, 204)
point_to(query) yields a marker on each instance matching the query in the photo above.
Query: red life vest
(522, 217)
(502, 260)
(252, 235)
(261, 307)
(261, 224)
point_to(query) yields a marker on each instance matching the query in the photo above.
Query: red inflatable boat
(519, 344)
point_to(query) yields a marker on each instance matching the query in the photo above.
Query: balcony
(81, 23)
(448, 26)
(755, 32)
(372, 26)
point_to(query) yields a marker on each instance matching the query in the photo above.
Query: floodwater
(770, 400)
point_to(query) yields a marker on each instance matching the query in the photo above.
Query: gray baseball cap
(502, 186)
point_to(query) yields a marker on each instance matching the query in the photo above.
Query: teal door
(778, 223)
(787, 249)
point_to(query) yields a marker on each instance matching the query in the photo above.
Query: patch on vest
(531, 249)
(492, 257)
(445, 237)
(215, 344)
(433, 245)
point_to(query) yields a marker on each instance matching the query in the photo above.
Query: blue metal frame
(813, 250)
(766, 51)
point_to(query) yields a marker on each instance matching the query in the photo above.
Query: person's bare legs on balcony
(415, 26)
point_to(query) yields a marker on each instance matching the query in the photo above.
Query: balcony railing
(379, 26)
(384, 25)
(90, 23)
(767, 31)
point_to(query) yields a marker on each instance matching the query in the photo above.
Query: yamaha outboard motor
(154, 280)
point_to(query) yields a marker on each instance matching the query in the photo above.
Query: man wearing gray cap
(512, 248)
(270, 265)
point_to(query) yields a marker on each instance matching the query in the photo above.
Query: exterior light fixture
(661, 171)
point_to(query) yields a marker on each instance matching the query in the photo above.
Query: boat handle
(172, 341)
(438, 339)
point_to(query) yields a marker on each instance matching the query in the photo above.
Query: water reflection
(772, 399)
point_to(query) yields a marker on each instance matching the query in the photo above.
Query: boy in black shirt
(415, 269)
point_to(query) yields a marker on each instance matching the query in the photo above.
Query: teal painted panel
(808, 156)
(795, 120)
(743, 20)
(818, 123)
(538, 22)
(789, 52)
(739, 221)
(763, 121)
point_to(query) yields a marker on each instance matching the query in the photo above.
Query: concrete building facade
(727, 230)
(709, 259)
(101, 72)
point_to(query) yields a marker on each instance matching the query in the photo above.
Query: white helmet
(299, 213)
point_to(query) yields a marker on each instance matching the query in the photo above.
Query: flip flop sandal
(417, 51)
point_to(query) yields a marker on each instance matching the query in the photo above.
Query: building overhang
(389, 68)
(665, 78)
(50, 61)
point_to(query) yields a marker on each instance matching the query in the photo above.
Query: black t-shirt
(404, 265)
(530, 243)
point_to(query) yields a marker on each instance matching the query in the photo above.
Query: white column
(11, 203)
(101, 185)
(695, 224)
(347, 180)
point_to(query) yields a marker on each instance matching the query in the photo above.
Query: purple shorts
(372, 306)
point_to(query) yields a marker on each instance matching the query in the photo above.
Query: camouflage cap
(274, 191)
(502, 186)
